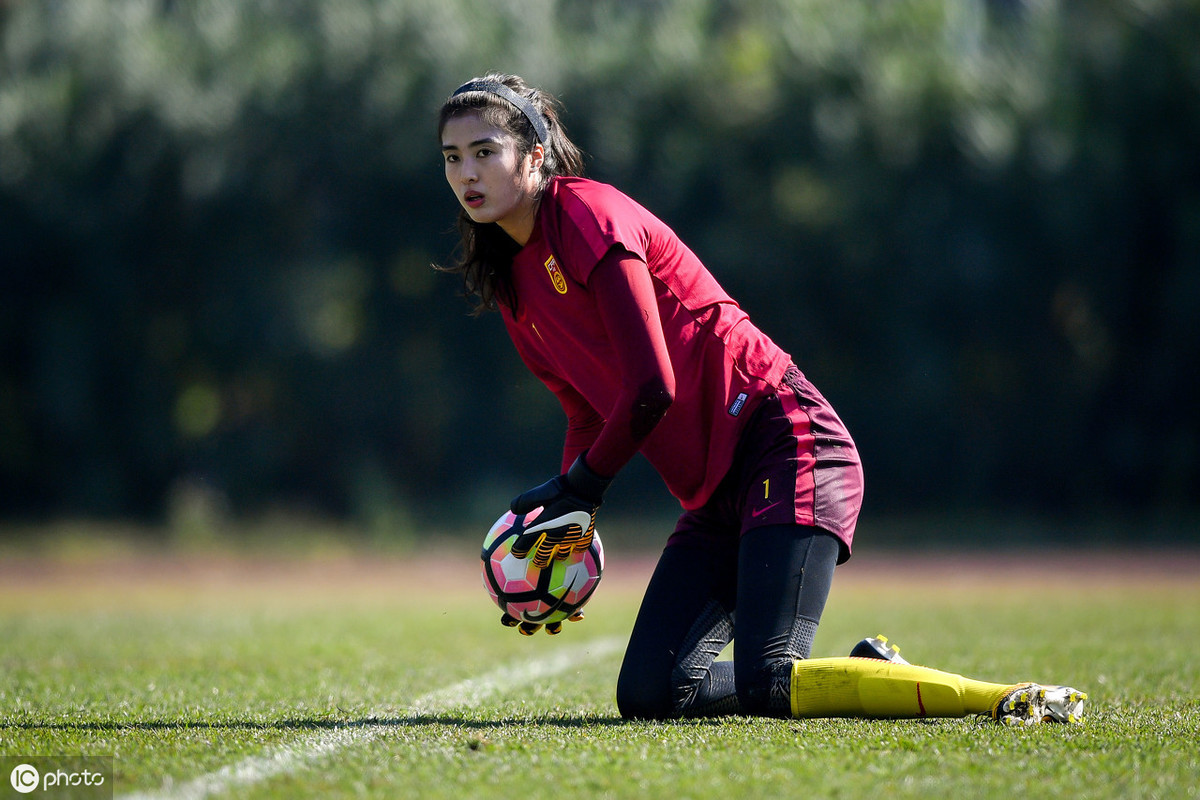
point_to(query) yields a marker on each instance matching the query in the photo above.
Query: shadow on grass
(412, 721)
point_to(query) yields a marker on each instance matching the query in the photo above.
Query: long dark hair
(485, 252)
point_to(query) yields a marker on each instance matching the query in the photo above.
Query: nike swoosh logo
(758, 512)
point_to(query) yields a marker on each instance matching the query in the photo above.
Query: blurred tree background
(974, 223)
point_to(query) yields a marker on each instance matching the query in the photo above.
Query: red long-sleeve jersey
(610, 301)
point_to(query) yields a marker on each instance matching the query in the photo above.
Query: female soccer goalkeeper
(646, 352)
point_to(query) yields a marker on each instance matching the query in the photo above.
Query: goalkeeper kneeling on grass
(646, 352)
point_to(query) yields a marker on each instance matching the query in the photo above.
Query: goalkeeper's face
(491, 179)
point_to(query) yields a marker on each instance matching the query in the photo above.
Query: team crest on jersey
(556, 275)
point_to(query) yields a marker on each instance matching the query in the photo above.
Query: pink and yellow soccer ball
(531, 594)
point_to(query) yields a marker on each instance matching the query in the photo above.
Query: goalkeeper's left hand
(568, 517)
(530, 628)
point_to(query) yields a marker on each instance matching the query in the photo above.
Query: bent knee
(639, 700)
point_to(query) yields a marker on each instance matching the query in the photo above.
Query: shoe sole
(1063, 704)
(1030, 704)
(878, 647)
(1024, 705)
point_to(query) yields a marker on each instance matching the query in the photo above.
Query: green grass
(178, 672)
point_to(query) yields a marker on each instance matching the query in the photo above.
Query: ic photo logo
(25, 778)
(78, 776)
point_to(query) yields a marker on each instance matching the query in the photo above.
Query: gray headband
(500, 90)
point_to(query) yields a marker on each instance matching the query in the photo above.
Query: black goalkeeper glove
(568, 517)
(530, 628)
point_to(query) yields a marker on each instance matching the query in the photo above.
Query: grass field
(389, 677)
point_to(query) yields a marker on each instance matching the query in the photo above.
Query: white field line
(285, 759)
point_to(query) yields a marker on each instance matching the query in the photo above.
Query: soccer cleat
(1029, 704)
(878, 647)
(1063, 704)
(1023, 704)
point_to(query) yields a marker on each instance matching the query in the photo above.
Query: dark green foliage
(976, 225)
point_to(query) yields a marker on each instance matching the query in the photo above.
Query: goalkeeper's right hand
(568, 517)
(530, 628)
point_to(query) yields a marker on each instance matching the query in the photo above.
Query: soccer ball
(530, 594)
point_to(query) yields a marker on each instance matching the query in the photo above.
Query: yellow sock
(866, 687)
